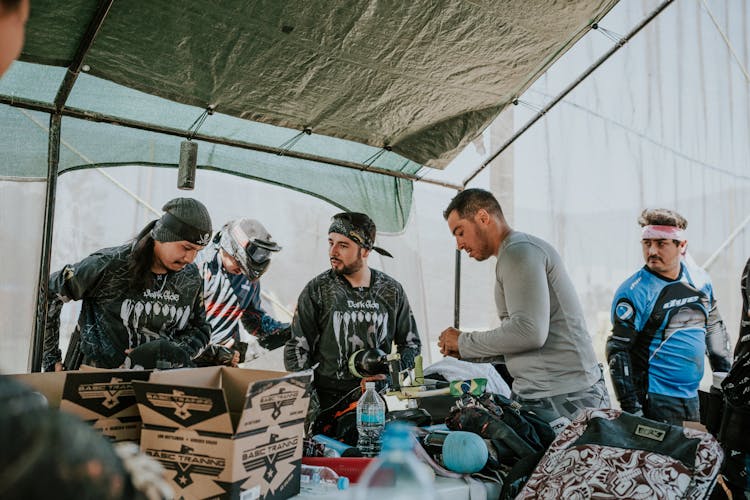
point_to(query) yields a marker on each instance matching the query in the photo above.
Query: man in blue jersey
(231, 267)
(665, 320)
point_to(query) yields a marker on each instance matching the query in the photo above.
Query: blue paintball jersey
(661, 330)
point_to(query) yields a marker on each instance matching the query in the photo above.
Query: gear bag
(612, 454)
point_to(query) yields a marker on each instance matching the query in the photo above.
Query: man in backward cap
(231, 267)
(142, 301)
(345, 309)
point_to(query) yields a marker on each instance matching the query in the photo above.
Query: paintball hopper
(368, 362)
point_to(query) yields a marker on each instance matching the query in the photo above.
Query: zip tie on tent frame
(290, 143)
(611, 35)
(193, 129)
(533, 107)
(369, 162)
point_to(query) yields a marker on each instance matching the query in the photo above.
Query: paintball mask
(250, 244)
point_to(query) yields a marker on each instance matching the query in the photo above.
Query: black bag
(515, 432)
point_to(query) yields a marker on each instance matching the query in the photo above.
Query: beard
(350, 268)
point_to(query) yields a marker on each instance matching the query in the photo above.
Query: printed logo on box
(110, 392)
(182, 403)
(267, 455)
(277, 401)
(185, 463)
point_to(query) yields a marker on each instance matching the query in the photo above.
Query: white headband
(663, 233)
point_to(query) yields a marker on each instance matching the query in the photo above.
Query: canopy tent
(347, 102)
(399, 85)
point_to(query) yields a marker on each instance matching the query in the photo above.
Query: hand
(59, 367)
(160, 353)
(448, 342)
(373, 378)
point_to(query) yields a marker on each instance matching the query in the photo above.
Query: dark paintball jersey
(231, 298)
(661, 331)
(333, 320)
(115, 317)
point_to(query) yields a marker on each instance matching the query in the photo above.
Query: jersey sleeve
(72, 282)
(196, 334)
(407, 339)
(717, 340)
(618, 348)
(524, 280)
(304, 332)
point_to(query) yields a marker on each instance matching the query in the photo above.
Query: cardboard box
(225, 432)
(103, 398)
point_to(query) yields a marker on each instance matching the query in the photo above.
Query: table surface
(446, 489)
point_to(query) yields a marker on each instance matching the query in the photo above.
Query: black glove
(162, 354)
(215, 354)
(276, 338)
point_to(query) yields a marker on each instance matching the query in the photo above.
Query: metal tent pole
(457, 291)
(53, 162)
(40, 320)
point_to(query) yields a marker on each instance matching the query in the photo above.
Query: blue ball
(464, 452)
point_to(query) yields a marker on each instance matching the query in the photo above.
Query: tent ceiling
(423, 77)
(385, 87)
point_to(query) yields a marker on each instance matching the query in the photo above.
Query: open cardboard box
(103, 398)
(225, 432)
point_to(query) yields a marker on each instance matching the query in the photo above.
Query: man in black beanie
(142, 300)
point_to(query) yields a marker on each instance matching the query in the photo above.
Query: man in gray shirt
(542, 336)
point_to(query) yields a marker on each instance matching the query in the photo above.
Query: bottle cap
(369, 385)
(342, 483)
(398, 436)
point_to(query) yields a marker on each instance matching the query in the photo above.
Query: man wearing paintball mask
(231, 268)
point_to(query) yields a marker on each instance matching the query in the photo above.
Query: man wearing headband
(142, 300)
(345, 309)
(542, 336)
(664, 321)
(231, 267)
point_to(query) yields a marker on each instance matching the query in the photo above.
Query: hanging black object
(189, 152)
(188, 162)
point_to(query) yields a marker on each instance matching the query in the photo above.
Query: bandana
(663, 233)
(357, 227)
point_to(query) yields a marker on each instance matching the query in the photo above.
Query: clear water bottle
(370, 421)
(318, 480)
(397, 473)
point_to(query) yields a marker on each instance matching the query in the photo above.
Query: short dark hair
(469, 201)
(662, 217)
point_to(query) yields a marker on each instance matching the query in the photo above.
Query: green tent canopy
(347, 101)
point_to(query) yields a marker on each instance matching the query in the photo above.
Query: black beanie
(184, 219)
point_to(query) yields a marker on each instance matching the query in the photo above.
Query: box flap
(280, 401)
(209, 376)
(180, 406)
(95, 394)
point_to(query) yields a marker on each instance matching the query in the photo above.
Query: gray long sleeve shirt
(542, 335)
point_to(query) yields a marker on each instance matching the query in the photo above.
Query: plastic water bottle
(397, 474)
(370, 421)
(318, 480)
